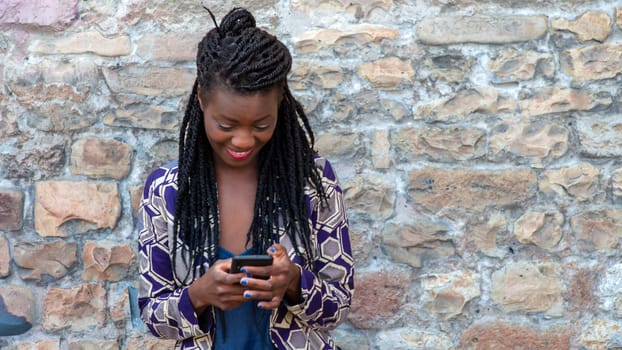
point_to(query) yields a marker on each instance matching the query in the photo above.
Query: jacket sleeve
(327, 290)
(164, 304)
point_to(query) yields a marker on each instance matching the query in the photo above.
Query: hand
(284, 281)
(217, 287)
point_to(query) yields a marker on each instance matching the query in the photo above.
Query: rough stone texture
(598, 229)
(601, 334)
(369, 196)
(136, 195)
(382, 296)
(143, 116)
(359, 35)
(381, 150)
(463, 103)
(408, 338)
(5, 257)
(57, 202)
(337, 144)
(579, 181)
(543, 229)
(600, 136)
(610, 291)
(581, 287)
(445, 145)
(616, 182)
(119, 303)
(594, 62)
(435, 188)
(304, 74)
(11, 208)
(149, 343)
(591, 25)
(151, 81)
(451, 67)
(528, 287)
(93, 345)
(417, 245)
(45, 260)
(445, 294)
(105, 261)
(17, 309)
(553, 100)
(84, 42)
(482, 235)
(82, 307)
(168, 47)
(99, 158)
(53, 13)
(47, 344)
(480, 29)
(504, 335)
(359, 7)
(387, 73)
(513, 66)
(36, 163)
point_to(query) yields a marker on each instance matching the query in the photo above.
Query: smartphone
(250, 260)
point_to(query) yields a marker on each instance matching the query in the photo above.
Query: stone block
(446, 294)
(17, 308)
(463, 103)
(57, 202)
(594, 62)
(579, 181)
(80, 308)
(338, 145)
(543, 229)
(5, 258)
(591, 25)
(482, 235)
(409, 338)
(150, 80)
(45, 261)
(83, 42)
(446, 30)
(106, 261)
(560, 100)
(505, 335)
(354, 35)
(46, 344)
(11, 209)
(600, 135)
(513, 66)
(169, 47)
(417, 244)
(99, 158)
(600, 333)
(98, 344)
(369, 196)
(440, 144)
(46, 13)
(387, 73)
(598, 230)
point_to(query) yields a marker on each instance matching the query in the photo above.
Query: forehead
(229, 103)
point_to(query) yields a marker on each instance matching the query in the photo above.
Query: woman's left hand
(284, 281)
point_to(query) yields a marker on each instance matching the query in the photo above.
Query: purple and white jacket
(327, 292)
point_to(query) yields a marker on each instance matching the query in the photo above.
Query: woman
(246, 182)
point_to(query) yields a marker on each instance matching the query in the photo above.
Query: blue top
(245, 327)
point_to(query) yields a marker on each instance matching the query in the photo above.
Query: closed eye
(225, 127)
(262, 127)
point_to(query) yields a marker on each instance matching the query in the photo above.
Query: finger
(276, 250)
(257, 295)
(269, 305)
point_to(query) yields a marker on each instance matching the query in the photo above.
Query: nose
(243, 140)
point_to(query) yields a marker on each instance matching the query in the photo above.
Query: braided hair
(244, 59)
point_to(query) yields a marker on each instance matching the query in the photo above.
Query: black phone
(249, 260)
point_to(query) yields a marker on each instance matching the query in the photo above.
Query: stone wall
(478, 143)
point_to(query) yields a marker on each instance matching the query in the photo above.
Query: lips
(239, 155)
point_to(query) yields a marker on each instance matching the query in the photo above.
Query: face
(238, 126)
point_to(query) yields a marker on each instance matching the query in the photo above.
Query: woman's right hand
(217, 287)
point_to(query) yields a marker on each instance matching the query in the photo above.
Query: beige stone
(98, 158)
(446, 294)
(80, 73)
(93, 344)
(435, 188)
(83, 42)
(505, 335)
(34, 162)
(591, 25)
(119, 303)
(599, 333)
(535, 141)
(105, 261)
(147, 342)
(409, 338)
(556, 100)
(394, 108)
(358, 35)
(529, 287)
(381, 150)
(60, 116)
(44, 260)
(600, 136)
(306, 74)
(450, 67)
(460, 104)
(380, 300)
(136, 196)
(150, 80)
(340, 145)
(616, 182)
(387, 73)
(578, 181)
(144, 117)
(363, 6)
(593, 62)
(598, 229)
(80, 308)
(46, 344)
(178, 46)
(608, 291)
(441, 144)
(543, 229)
(445, 30)
(57, 202)
(5, 257)
(11, 209)
(513, 66)
(32, 95)
(417, 244)
(369, 196)
(19, 301)
(619, 16)
(482, 236)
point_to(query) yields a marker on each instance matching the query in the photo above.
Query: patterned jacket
(327, 283)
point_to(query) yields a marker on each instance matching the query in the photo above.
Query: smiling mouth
(239, 155)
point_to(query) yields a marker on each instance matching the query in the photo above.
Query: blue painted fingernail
(247, 295)
(260, 306)
(243, 270)
(272, 250)
(243, 282)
